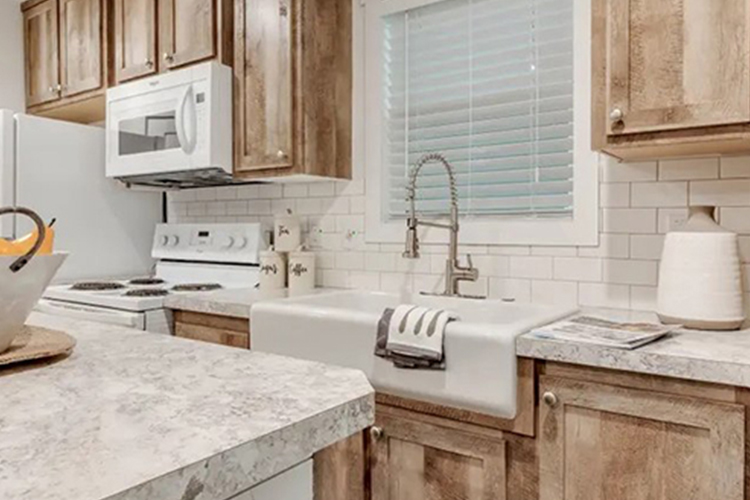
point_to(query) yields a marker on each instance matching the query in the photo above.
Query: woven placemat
(37, 343)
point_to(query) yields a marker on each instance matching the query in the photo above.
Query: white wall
(11, 56)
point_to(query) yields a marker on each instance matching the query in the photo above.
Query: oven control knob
(227, 242)
(164, 240)
(241, 242)
(174, 240)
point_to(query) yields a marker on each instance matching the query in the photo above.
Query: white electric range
(191, 258)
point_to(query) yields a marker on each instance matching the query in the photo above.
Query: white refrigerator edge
(57, 169)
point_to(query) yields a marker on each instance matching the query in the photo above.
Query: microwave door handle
(185, 121)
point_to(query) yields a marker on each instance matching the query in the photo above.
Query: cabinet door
(598, 441)
(40, 25)
(264, 73)
(675, 64)
(80, 46)
(418, 461)
(187, 31)
(135, 39)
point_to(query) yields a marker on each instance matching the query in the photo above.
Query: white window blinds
(489, 84)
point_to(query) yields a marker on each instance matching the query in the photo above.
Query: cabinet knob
(168, 57)
(52, 90)
(283, 11)
(280, 154)
(60, 88)
(149, 63)
(550, 399)
(616, 115)
(377, 433)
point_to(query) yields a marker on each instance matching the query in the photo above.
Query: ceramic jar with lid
(700, 275)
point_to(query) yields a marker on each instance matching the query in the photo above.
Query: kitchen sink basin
(339, 328)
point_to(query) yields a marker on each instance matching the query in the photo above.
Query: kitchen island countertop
(134, 415)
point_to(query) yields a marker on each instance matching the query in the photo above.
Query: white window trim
(581, 230)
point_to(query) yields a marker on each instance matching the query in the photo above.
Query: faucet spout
(454, 273)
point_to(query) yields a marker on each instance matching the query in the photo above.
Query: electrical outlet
(314, 236)
(352, 239)
(677, 221)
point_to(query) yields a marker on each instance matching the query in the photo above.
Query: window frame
(581, 230)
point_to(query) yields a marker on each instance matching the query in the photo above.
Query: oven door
(91, 313)
(157, 132)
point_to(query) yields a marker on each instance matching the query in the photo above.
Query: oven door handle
(186, 121)
(131, 320)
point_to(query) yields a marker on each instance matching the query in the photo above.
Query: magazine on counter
(591, 330)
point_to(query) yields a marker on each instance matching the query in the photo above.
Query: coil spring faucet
(454, 272)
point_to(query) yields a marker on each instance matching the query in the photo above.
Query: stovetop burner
(96, 286)
(146, 281)
(197, 287)
(147, 292)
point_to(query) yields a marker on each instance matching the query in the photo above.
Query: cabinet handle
(616, 115)
(377, 433)
(168, 57)
(149, 63)
(550, 399)
(283, 11)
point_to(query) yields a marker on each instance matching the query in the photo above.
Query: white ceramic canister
(287, 233)
(272, 270)
(700, 275)
(301, 271)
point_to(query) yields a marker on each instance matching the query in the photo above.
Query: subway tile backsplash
(638, 201)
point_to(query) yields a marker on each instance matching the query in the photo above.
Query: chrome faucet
(454, 272)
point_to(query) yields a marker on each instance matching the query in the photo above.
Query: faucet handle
(468, 258)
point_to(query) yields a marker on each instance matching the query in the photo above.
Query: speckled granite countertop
(230, 302)
(719, 357)
(133, 415)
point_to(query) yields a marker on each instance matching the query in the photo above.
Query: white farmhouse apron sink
(340, 328)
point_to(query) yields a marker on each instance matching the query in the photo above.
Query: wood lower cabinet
(224, 330)
(293, 88)
(41, 43)
(135, 50)
(600, 441)
(671, 77)
(415, 460)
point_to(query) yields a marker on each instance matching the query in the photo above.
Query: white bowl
(19, 292)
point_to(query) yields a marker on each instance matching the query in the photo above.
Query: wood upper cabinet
(81, 54)
(293, 88)
(187, 31)
(666, 70)
(66, 58)
(599, 441)
(264, 53)
(40, 24)
(415, 460)
(135, 50)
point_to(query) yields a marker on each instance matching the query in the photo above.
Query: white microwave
(172, 130)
